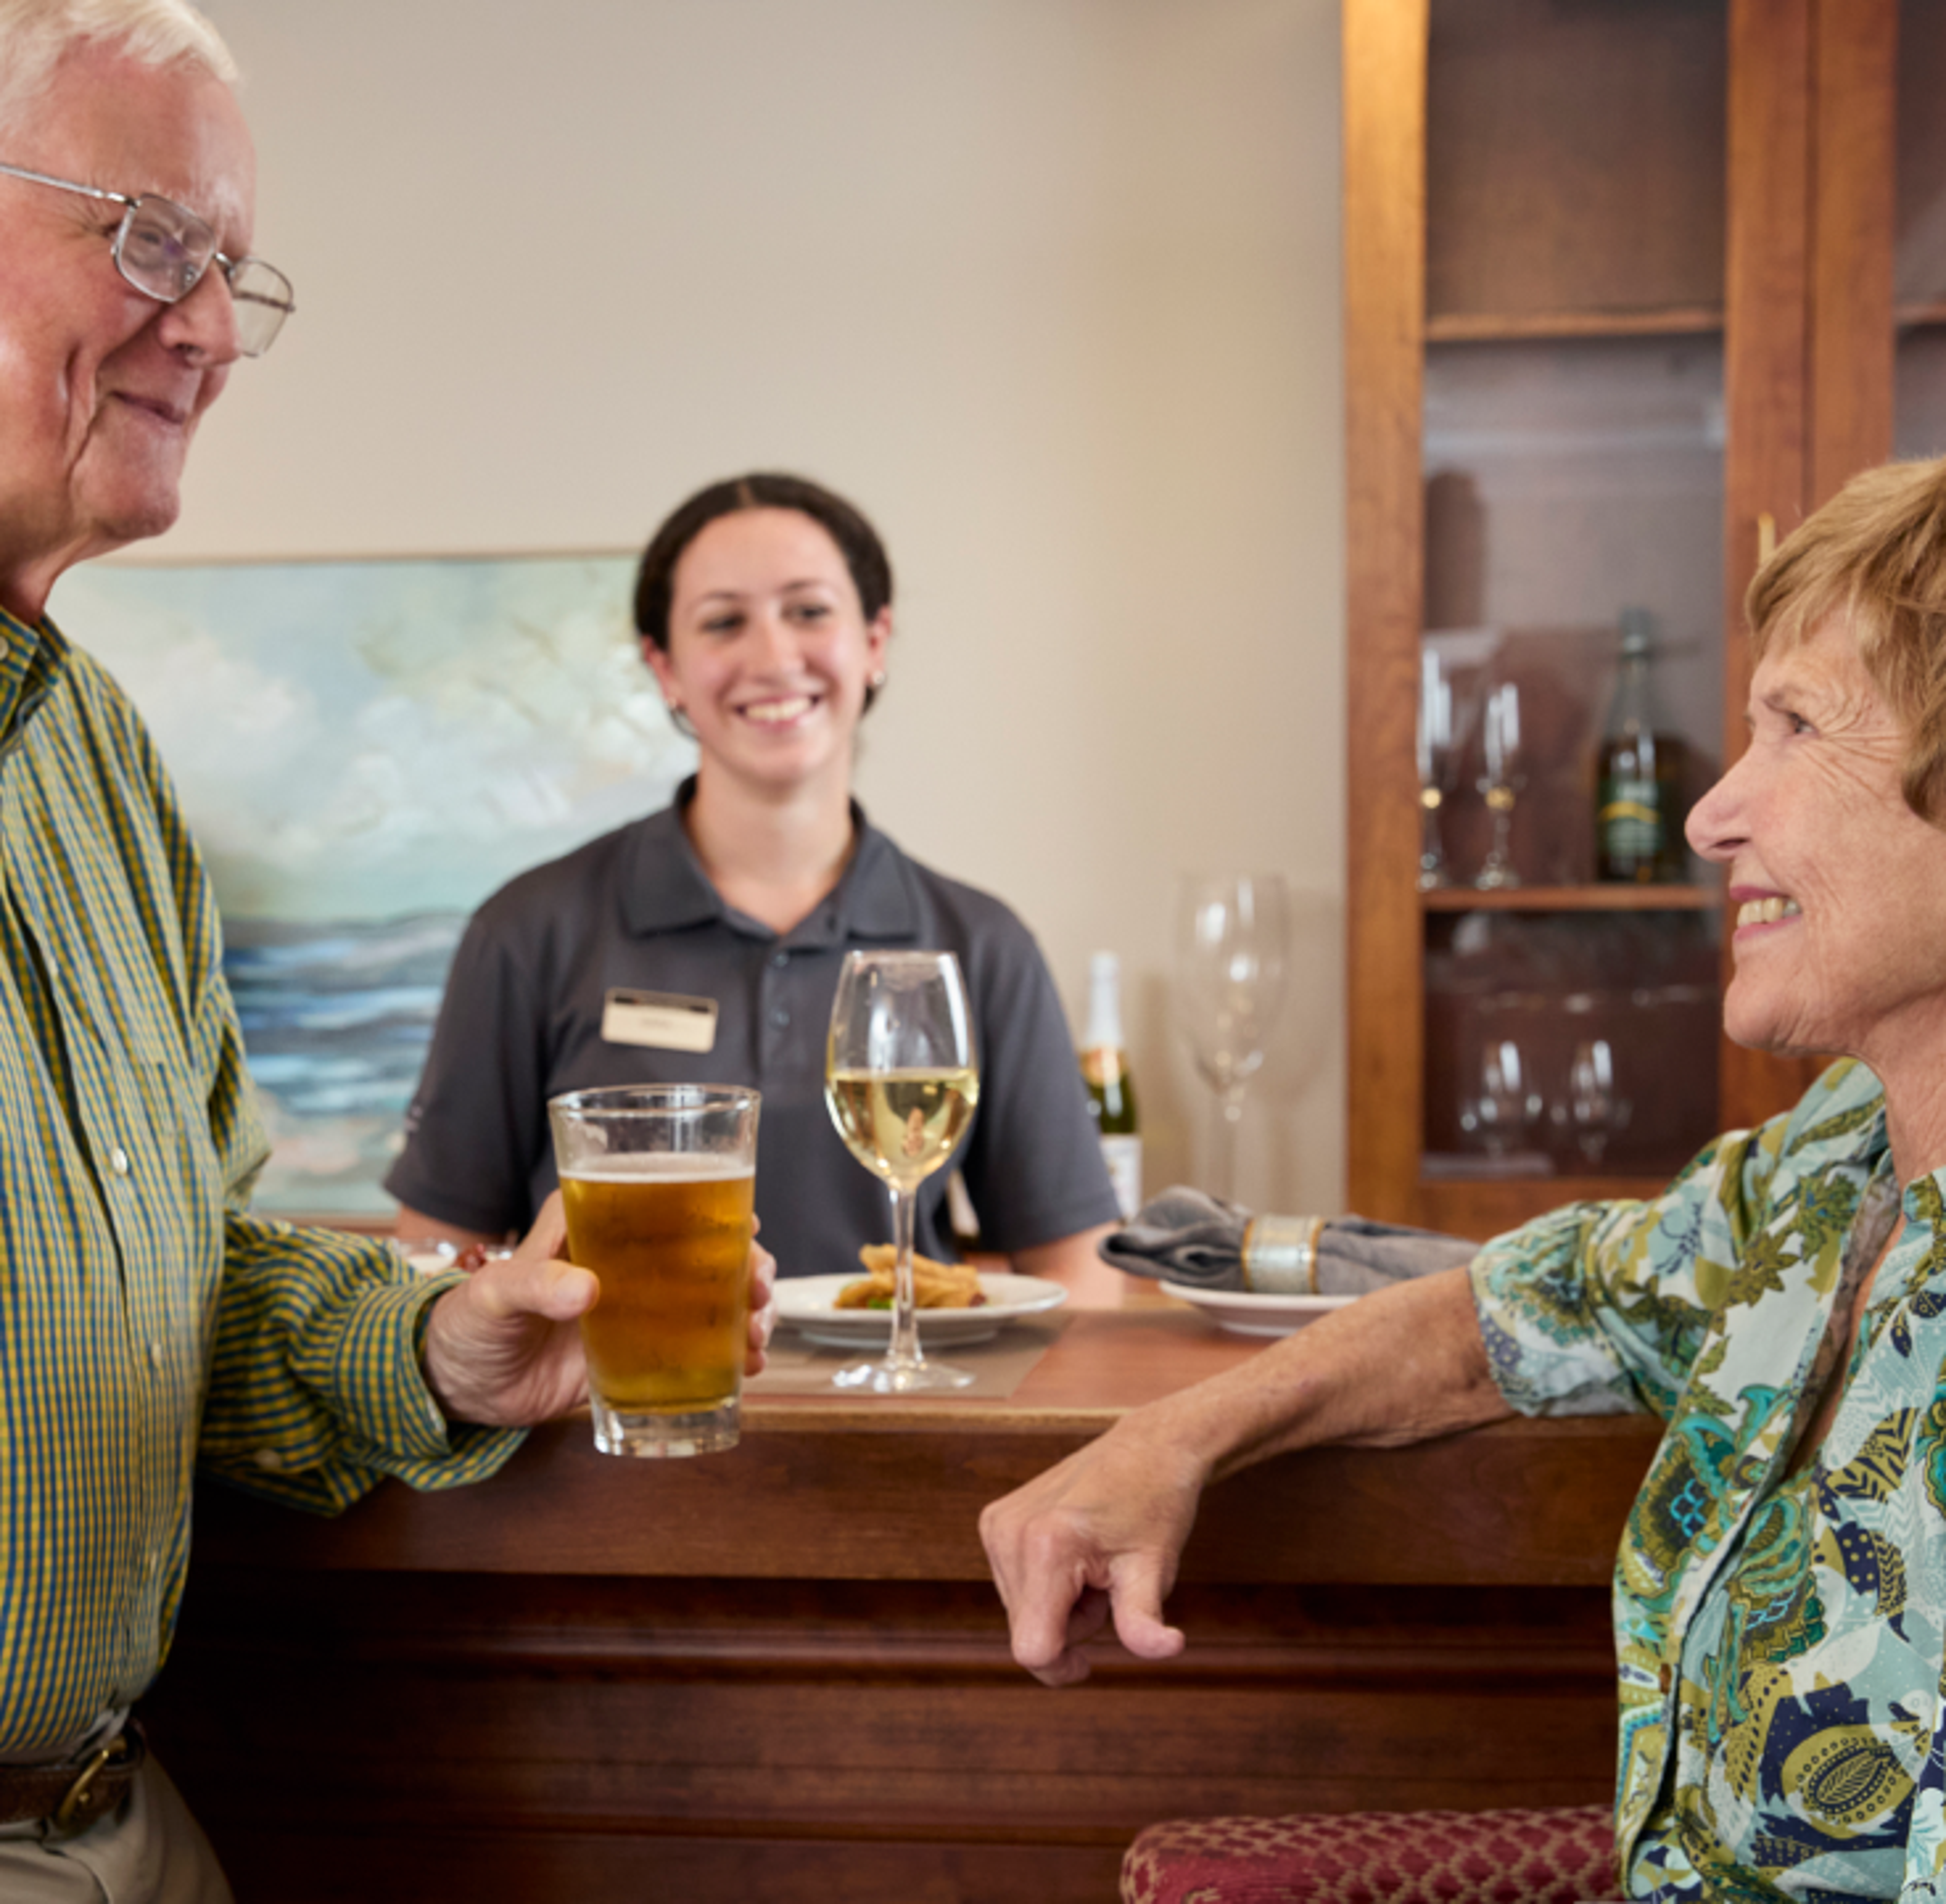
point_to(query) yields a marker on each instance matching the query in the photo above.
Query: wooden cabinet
(1620, 310)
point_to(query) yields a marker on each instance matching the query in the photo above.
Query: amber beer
(658, 1181)
(669, 1238)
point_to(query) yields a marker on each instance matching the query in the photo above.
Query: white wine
(903, 1124)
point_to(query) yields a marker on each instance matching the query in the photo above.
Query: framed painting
(367, 750)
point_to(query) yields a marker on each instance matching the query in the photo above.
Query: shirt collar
(32, 659)
(666, 888)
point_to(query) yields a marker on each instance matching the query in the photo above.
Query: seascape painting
(365, 750)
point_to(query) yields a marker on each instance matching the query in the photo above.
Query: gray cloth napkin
(1185, 1236)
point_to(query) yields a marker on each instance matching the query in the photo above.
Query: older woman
(1780, 1594)
(702, 944)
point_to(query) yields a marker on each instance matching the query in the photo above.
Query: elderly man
(147, 1321)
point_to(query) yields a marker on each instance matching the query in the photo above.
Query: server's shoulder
(585, 879)
(975, 918)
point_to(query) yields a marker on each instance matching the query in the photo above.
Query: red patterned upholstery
(1440, 1857)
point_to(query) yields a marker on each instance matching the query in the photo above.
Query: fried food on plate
(935, 1285)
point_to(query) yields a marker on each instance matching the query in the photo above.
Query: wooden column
(1385, 57)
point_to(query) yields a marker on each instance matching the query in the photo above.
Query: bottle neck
(1104, 1010)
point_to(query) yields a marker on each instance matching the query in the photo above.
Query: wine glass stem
(1431, 848)
(905, 1352)
(1230, 1116)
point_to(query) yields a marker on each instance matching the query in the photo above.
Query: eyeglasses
(162, 249)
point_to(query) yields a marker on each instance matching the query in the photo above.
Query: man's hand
(763, 1307)
(503, 1347)
(1095, 1537)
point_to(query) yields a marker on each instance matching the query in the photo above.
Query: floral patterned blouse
(1780, 1626)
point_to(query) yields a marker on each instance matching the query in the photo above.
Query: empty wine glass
(1233, 946)
(1591, 1098)
(900, 1083)
(1500, 1114)
(1500, 745)
(1438, 760)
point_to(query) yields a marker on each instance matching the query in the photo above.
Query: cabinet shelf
(1540, 327)
(1575, 899)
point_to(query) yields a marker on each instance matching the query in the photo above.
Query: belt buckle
(63, 1822)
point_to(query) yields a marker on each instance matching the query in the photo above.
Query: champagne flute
(1232, 948)
(900, 1083)
(1500, 743)
(1438, 758)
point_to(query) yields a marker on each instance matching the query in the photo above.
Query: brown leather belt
(73, 1793)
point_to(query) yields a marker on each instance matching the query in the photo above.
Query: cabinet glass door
(1573, 466)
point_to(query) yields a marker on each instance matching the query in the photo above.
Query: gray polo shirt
(633, 912)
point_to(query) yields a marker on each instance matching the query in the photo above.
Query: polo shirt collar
(666, 888)
(32, 659)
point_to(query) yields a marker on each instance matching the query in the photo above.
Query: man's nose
(204, 323)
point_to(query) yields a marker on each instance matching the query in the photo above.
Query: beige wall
(1051, 286)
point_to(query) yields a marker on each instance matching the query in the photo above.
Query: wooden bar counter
(783, 1672)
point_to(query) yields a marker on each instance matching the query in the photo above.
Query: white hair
(36, 35)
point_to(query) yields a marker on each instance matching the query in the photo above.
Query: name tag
(665, 1020)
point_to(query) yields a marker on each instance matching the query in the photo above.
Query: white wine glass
(1500, 746)
(1232, 951)
(901, 1082)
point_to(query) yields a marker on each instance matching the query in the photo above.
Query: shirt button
(270, 1460)
(780, 1017)
(155, 1355)
(779, 960)
(1665, 1679)
(118, 1159)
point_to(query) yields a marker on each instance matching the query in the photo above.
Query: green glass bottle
(1638, 812)
(1111, 1091)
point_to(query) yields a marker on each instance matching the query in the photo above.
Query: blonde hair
(36, 35)
(1875, 554)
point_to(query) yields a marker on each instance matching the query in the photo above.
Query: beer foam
(659, 1167)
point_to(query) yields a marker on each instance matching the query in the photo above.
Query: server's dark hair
(857, 542)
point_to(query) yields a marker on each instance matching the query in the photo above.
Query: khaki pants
(149, 1850)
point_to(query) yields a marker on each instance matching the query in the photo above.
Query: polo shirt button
(779, 960)
(780, 1017)
(118, 1159)
(1665, 1679)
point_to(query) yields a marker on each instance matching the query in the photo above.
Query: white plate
(1242, 1313)
(804, 1304)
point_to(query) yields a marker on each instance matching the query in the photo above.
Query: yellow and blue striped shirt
(148, 1322)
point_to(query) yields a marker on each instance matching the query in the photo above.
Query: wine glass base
(889, 1377)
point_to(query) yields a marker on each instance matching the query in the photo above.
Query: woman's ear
(877, 639)
(659, 666)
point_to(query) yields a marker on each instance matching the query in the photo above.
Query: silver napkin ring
(1280, 1255)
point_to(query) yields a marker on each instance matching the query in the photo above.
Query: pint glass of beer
(658, 1180)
